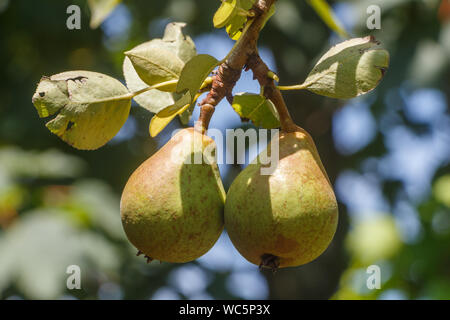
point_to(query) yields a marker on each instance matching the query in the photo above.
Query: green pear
(172, 205)
(286, 218)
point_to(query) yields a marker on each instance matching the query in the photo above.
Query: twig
(230, 70)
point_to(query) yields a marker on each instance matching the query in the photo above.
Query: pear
(287, 218)
(172, 205)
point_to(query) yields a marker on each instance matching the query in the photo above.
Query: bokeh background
(387, 154)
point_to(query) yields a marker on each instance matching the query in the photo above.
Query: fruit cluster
(173, 208)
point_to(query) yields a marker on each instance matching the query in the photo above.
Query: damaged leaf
(88, 108)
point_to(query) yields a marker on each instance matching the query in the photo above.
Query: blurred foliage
(60, 206)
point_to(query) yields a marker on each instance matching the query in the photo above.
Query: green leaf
(100, 10)
(175, 41)
(235, 27)
(156, 64)
(227, 10)
(325, 12)
(257, 108)
(349, 69)
(164, 117)
(237, 24)
(152, 100)
(186, 115)
(180, 103)
(195, 72)
(90, 107)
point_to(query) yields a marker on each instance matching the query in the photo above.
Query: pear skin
(172, 207)
(287, 218)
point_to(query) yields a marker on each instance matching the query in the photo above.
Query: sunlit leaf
(180, 44)
(235, 27)
(89, 108)
(227, 10)
(175, 41)
(152, 100)
(156, 64)
(100, 10)
(170, 110)
(164, 117)
(349, 69)
(195, 72)
(325, 12)
(257, 108)
(237, 23)
(186, 115)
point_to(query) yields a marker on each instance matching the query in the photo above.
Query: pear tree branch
(230, 70)
(261, 72)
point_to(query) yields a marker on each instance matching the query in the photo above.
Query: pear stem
(230, 69)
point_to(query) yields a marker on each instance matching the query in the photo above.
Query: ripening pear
(282, 214)
(172, 205)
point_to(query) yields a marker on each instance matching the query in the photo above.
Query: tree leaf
(180, 103)
(349, 69)
(257, 108)
(164, 117)
(237, 24)
(326, 14)
(155, 64)
(90, 107)
(185, 49)
(186, 115)
(195, 72)
(179, 44)
(235, 27)
(152, 100)
(100, 10)
(227, 10)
